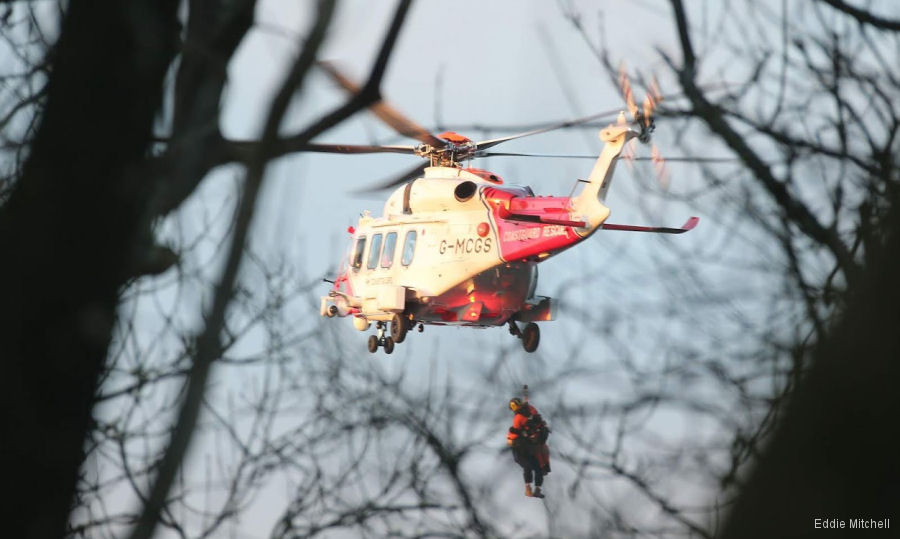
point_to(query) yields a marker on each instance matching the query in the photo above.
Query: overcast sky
(460, 64)
(465, 63)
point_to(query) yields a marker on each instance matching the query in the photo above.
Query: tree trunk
(834, 455)
(67, 234)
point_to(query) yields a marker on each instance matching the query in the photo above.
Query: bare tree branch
(864, 16)
(712, 115)
(209, 346)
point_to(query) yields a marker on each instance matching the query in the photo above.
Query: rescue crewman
(527, 437)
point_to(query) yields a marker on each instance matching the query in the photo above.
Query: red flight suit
(529, 427)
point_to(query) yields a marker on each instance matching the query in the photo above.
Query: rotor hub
(647, 126)
(450, 155)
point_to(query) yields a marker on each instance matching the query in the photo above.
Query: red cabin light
(483, 229)
(350, 229)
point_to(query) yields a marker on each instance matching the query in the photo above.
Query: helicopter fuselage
(455, 248)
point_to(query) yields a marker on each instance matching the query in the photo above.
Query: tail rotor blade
(648, 107)
(625, 86)
(651, 101)
(659, 165)
(628, 155)
(644, 114)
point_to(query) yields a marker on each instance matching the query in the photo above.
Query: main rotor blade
(572, 156)
(529, 127)
(485, 144)
(386, 113)
(399, 180)
(242, 149)
(355, 148)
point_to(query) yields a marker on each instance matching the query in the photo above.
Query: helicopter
(456, 246)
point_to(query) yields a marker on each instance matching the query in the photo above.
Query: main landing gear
(530, 335)
(399, 326)
(375, 342)
(380, 340)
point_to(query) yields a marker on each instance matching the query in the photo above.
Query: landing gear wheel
(388, 345)
(372, 345)
(399, 327)
(531, 337)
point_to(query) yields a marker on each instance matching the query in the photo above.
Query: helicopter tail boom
(504, 213)
(589, 202)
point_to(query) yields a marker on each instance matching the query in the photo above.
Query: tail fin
(588, 203)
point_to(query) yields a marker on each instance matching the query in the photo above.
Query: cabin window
(390, 244)
(357, 257)
(409, 248)
(374, 252)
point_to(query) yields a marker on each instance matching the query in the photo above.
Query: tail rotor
(643, 120)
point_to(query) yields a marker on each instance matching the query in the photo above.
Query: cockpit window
(390, 244)
(374, 252)
(357, 256)
(409, 248)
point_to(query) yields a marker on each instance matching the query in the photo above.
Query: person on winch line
(527, 437)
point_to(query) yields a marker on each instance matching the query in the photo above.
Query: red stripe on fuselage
(520, 240)
(343, 279)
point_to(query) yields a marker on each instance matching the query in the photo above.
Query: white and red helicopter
(454, 246)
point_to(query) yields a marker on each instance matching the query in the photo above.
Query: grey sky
(501, 62)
